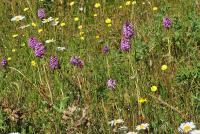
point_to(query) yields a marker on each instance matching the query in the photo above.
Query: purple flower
(32, 42)
(76, 61)
(128, 30)
(125, 44)
(4, 62)
(39, 50)
(111, 83)
(167, 22)
(41, 13)
(105, 49)
(53, 63)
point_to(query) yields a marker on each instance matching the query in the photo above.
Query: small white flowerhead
(24, 26)
(111, 123)
(47, 20)
(186, 127)
(114, 122)
(17, 18)
(60, 48)
(54, 23)
(49, 41)
(14, 133)
(132, 133)
(195, 132)
(142, 126)
(123, 128)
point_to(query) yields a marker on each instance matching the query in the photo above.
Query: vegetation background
(35, 99)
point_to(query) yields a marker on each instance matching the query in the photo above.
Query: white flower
(60, 48)
(81, 8)
(114, 122)
(47, 20)
(118, 121)
(132, 133)
(123, 128)
(17, 18)
(49, 41)
(14, 133)
(54, 23)
(195, 132)
(186, 127)
(142, 126)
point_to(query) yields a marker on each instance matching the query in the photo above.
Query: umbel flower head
(125, 44)
(39, 50)
(32, 41)
(105, 49)
(111, 83)
(53, 63)
(167, 22)
(41, 13)
(127, 31)
(4, 62)
(76, 61)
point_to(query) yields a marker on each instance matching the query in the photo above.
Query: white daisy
(60, 48)
(195, 132)
(186, 127)
(142, 126)
(17, 18)
(49, 41)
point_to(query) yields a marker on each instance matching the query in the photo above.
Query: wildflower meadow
(99, 67)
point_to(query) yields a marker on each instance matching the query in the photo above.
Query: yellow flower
(33, 63)
(40, 30)
(62, 24)
(109, 25)
(120, 7)
(81, 33)
(164, 67)
(128, 3)
(82, 38)
(13, 50)
(155, 8)
(76, 19)
(14, 35)
(9, 58)
(134, 2)
(97, 37)
(80, 27)
(97, 5)
(154, 88)
(26, 9)
(108, 21)
(71, 3)
(95, 15)
(142, 100)
(33, 24)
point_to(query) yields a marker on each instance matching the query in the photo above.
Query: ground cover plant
(100, 66)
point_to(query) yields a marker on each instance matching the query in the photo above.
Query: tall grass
(74, 100)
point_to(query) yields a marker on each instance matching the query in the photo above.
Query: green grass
(39, 100)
